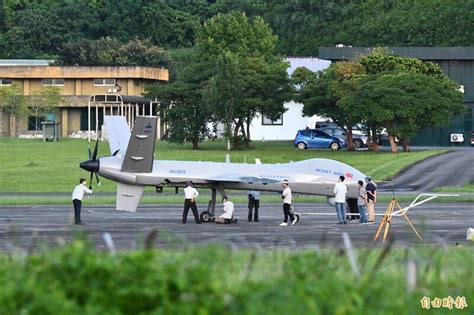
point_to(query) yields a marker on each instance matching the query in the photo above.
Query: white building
(292, 120)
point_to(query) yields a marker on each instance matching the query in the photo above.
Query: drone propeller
(92, 165)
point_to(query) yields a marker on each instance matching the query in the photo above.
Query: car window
(306, 133)
(321, 134)
(335, 131)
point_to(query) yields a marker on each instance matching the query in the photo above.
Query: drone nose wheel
(205, 216)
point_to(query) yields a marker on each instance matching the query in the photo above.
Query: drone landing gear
(206, 216)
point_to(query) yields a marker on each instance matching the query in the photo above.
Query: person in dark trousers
(190, 195)
(287, 198)
(77, 195)
(254, 203)
(362, 202)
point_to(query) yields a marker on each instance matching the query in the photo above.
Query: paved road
(451, 169)
(20, 225)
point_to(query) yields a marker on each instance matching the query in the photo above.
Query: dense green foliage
(111, 52)
(247, 78)
(231, 75)
(26, 163)
(75, 279)
(41, 29)
(182, 102)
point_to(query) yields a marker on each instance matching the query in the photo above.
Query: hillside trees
(111, 52)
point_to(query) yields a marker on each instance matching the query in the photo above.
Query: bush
(76, 279)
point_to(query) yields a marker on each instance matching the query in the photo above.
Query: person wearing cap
(371, 199)
(340, 192)
(228, 209)
(254, 203)
(190, 195)
(287, 198)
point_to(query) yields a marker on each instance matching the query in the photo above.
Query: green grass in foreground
(76, 279)
(467, 188)
(37, 166)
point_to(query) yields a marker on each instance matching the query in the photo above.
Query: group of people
(190, 195)
(367, 197)
(366, 200)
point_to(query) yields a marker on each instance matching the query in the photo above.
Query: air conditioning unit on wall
(457, 137)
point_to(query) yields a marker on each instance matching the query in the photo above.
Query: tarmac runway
(22, 226)
(452, 169)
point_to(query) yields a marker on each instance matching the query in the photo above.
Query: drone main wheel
(205, 216)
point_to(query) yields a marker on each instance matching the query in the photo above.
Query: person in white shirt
(287, 198)
(228, 209)
(190, 195)
(254, 203)
(77, 195)
(340, 192)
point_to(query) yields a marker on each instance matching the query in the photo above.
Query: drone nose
(90, 165)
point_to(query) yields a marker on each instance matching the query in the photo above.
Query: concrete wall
(80, 87)
(293, 121)
(41, 72)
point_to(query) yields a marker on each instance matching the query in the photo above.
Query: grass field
(76, 279)
(467, 188)
(37, 166)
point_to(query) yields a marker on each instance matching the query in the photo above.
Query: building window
(104, 82)
(85, 119)
(34, 123)
(6, 82)
(53, 82)
(268, 122)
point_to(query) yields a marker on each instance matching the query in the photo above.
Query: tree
(380, 63)
(14, 103)
(182, 105)
(43, 102)
(405, 103)
(247, 78)
(321, 93)
(402, 95)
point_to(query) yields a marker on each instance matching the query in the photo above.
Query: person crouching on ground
(190, 195)
(361, 202)
(77, 195)
(228, 209)
(287, 198)
(340, 192)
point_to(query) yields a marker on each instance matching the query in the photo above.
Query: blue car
(313, 138)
